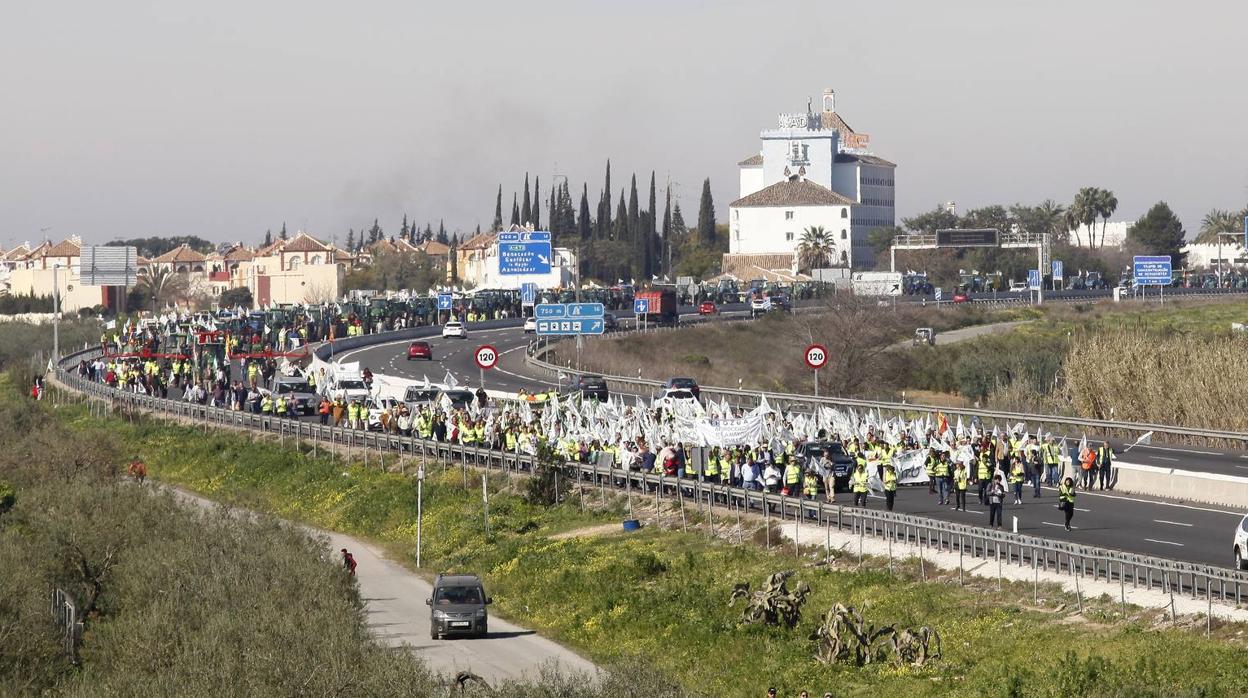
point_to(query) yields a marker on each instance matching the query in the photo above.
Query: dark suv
(833, 453)
(458, 606)
(589, 387)
(689, 384)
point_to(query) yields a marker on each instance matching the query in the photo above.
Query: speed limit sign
(816, 356)
(486, 357)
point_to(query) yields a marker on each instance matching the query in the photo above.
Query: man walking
(890, 485)
(859, 479)
(960, 481)
(1066, 495)
(1104, 465)
(996, 497)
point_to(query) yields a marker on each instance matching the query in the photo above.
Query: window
(844, 234)
(294, 263)
(844, 213)
(788, 215)
(736, 215)
(788, 237)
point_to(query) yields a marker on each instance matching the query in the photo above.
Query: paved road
(397, 616)
(1176, 530)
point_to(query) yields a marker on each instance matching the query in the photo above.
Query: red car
(707, 308)
(419, 350)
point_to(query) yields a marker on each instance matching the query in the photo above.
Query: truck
(662, 309)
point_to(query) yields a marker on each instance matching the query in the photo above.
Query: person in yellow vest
(1104, 465)
(266, 404)
(983, 474)
(890, 485)
(960, 481)
(859, 482)
(280, 407)
(942, 472)
(1017, 473)
(1051, 454)
(810, 484)
(1066, 495)
(792, 477)
(353, 414)
(929, 466)
(711, 471)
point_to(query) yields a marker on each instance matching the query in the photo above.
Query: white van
(350, 386)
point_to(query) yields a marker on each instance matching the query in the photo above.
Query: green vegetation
(656, 599)
(28, 303)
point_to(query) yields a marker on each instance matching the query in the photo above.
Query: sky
(224, 119)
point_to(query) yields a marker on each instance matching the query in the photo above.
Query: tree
(584, 226)
(429, 233)
(163, 287)
(679, 229)
(404, 232)
(374, 233)
(666, 243)
(1218, 221)
(498, 210)
(515, 209)
(881, 239)
(350, 239)
(1085, 207)
(268, 238)
(1106, 204)
(938, 218)
(454, 261)
(815, 249)
(442, 231)
(1159, 232)
(706, 217)
(526, 212)
(283, 233)
(649, 231)
(537, 203)
(236, 297)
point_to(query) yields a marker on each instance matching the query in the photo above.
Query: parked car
(300, 397)
(588, 386)
(454, 328)
(781, 302)
(960, 297)
(1241, 544)
(530, 325)
(1018, 286)
(457, 606)
(350, 386)
(832, 454)
(419, 350)
(671, 396)
(759, 305)
(707, 308)
(689, 384)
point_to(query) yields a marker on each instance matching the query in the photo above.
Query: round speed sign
(486, 356)
(816, 356)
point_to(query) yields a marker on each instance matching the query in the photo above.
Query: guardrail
(1010, 548)
(1048, 422)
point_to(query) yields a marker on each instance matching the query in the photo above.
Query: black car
(781, 302)
(588, 386)
(832, 451)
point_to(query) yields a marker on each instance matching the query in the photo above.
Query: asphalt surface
(397, 616)
(1134, 523)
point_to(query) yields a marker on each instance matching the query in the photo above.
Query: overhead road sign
(107, 265)
(971, 237)
(564, 326)
(486, 357)
(816, 356)
(1152, 270)
(524, 253)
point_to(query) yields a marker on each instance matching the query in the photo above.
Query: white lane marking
(1176, 460)
(1180, 450)
(1153, 501)
(1163, 542)
(1046, 523)
(1173, 523)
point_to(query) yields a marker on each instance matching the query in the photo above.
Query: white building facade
(813, 170)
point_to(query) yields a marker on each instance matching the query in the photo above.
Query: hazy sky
(224, 118)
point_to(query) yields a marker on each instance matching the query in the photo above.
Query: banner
(911, 467)
(731, 432)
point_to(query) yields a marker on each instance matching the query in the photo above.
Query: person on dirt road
(348, 562)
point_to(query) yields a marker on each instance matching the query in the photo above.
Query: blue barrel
(632, 525)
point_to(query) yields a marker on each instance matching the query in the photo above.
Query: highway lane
(1146, 525)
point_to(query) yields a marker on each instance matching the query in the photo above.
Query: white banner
(731, 432)
(911, 466)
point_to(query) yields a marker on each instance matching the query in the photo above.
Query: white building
(813, 170)
(1115, 234)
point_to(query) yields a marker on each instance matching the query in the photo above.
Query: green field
(658, 599)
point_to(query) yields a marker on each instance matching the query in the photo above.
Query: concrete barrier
(1209, 488)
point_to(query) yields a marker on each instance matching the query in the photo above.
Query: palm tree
(1070, 220)
(816, 247)
(163, 286)
(1085, 207)
(1219, 221)
(1049, 214)
(1106, 204)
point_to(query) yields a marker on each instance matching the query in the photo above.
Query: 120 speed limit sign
(486, 357)
(816, 356)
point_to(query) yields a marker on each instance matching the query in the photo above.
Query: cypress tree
(454, 261)
(556, 223)
(666, 242)
(429, 233)
(403, 232)
(706, 217)
(268, 237)
(498, 209)
(350, 239)
(537, 203)
(634, 210)
(679, 229)
(515, 210)
(283, 233)
(648, 231)
(526, 211)
(585, 225)
(619, 226)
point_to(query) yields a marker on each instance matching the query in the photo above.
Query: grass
(658, 598)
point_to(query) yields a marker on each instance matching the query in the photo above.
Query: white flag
(450, 380)
(425, 385)
(1144, 440)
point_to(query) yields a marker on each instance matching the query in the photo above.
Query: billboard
(103, 265)
(971, 237)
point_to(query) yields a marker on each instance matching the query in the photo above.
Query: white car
(1018, 286)
(530, 325)
(1241, 544)
(455, 328)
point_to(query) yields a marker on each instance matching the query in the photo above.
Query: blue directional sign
(641, 306)
(444, 301)
(1152, 271)
(524, 253)
(1033, 279)
(1059, 273)
(585, 309)
(528, 293)
(550, 310)
(565, 326)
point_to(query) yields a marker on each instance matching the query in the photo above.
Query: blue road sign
(1033, 279)
(564, 326)
(550, 310)
(444, 301)
(585, 309)
(1059, 273)
(528, 293)
(641, 306)
(1152, 271)
(524, 253)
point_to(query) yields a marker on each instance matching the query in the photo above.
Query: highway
(1176, 530)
